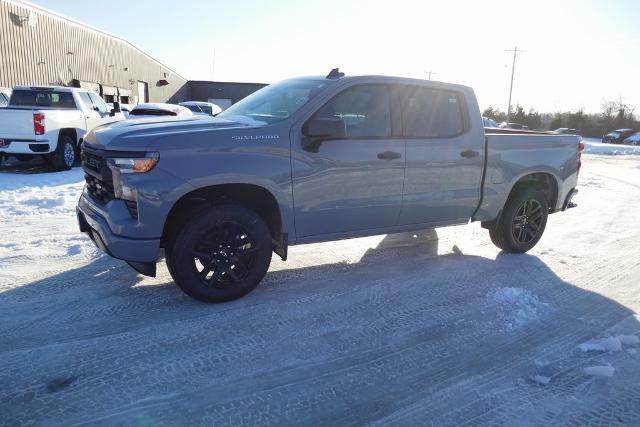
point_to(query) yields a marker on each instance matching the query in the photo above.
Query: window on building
(365, 110)
(431, 113)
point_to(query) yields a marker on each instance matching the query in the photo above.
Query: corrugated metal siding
(56, 51)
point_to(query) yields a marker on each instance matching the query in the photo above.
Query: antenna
(335, 74)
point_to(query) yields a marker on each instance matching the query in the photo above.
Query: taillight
(38, 123)
(580, 150)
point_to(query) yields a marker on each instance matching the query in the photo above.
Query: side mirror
(318, 130)
(116, 109)
(325, 128)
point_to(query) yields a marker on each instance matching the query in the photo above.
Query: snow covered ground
(436, 327)
(595, 146)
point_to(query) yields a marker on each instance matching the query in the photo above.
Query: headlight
(129, 165)
(134, 164)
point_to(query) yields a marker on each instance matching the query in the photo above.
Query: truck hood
(137, 134)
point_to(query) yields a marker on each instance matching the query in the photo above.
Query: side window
(3, 100)
(364, 109)
(98, 102)
(432, 113)
(86, 101)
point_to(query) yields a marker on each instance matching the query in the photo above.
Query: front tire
(220, 254)
(64, 157)
(522, 222)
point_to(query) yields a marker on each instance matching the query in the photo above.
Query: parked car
(5, 94)
(489, 123)
(51, 121)
(199, 107)
(634, 139)
(308, 160)
(505, 125)
(147, 110)
(617, 136)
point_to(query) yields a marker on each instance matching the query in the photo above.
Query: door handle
(469, 154)
(389, 155)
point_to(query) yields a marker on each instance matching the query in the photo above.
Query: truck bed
(510, 156)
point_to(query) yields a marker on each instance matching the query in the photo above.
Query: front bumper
(134, 251)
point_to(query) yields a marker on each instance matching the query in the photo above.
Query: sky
(578, 54)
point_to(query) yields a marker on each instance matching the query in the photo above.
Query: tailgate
(16, 124)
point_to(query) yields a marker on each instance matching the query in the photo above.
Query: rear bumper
(568, 203)
(26, 147)
(124, 248)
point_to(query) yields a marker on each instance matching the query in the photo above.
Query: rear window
(42, 99)
(432, 113)
(150, 112)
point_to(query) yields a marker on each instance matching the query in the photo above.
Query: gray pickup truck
(314, 159)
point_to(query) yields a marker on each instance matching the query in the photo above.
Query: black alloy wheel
(527, 222)
(219, 253)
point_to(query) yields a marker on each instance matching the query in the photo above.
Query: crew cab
(314, 159)
(51, 121)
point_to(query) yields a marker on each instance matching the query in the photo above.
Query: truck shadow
(84, 302)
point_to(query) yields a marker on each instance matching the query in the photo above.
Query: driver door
(352, 183)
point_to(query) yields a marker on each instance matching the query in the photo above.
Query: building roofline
(59, 16)
(228, 83)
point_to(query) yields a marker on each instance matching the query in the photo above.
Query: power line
(513, 70)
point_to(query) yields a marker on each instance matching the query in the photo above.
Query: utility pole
(513, 70)
(429, 73)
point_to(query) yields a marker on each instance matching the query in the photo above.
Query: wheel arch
(251, 196)
(544, 180)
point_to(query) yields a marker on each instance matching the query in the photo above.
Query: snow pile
(605, 344)
(600, 371)
(541, 379)
(614, 343)
(628, 339)
(592, 147)
(517, 305)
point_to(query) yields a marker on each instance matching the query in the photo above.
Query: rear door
(444, 156)
(353, 183)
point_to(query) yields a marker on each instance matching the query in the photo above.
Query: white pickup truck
(51, 121)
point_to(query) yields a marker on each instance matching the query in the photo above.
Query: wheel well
(544, 181)
(70, 133)
(250, 196)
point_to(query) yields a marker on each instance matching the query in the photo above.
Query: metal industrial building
(42, 47)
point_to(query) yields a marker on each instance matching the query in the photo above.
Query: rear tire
(522, 222)
(220, 254)
(64, 157)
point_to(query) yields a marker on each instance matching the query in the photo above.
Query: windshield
(275, 102)
(43, 98)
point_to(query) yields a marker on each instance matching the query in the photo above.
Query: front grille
(91, 161)
(100, 190)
